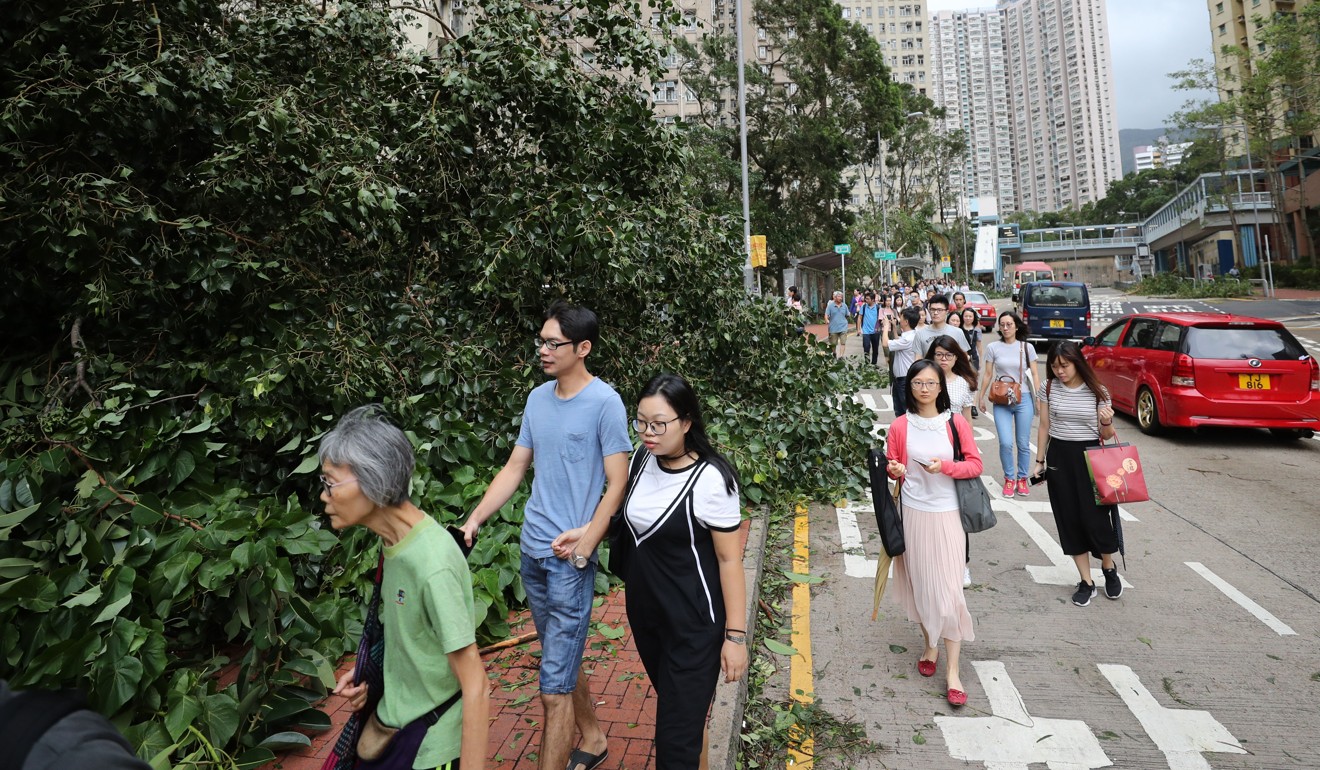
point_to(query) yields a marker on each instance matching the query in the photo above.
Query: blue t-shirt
(870, 319)
(569, 439)
(838, 316)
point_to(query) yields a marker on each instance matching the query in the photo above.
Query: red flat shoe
(926, 667)
(957, 697)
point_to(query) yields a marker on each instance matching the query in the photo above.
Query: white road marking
(1262, 614)
(855, 562)
(1062, 570)
(1013, 739)
(1182, 734)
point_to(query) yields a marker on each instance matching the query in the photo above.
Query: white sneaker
(967, 577)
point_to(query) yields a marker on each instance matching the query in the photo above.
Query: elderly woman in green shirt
(431, 658)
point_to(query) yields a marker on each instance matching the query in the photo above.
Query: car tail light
(1024, 314)
(1315, 375)
(1184, 371)
(1088, 320)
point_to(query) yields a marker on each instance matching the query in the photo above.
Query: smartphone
(1039, 478)
(461, 539)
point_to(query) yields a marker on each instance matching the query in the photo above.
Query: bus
(1027, 272)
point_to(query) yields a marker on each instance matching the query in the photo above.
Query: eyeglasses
(329, 486)
(942, 356)
(553, 345)
(925, 384)
(657, 427)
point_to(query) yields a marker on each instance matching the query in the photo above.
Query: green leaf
(220, 717)
(10, 520)
(14, 566)
(23, 493)
(780, 648)
(254, 758)
(84, 599)
(285, 741)
(182, 713)
(113, 609)
(116, 682)
(308, 465)
(798, 577)
(897, 649)
(181, 467)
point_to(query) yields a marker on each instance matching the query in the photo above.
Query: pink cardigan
(968, 468)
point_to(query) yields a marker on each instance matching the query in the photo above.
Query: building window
(760, 33)
(762, 51)
(1223, 29)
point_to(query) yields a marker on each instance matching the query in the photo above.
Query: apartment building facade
(1061, 86)
(970, 81)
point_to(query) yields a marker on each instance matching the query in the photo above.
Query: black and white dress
(674, 599)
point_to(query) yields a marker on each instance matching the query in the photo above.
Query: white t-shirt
(905, 352)
(1072, 411)
(656, 488)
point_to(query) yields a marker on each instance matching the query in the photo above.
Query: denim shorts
(560, 597)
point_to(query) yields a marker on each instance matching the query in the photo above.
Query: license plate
(1056, 324)
(1253, 382)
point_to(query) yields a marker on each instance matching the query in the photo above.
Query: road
(1211, 658)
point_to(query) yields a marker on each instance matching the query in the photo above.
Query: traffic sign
(842, 248)
(946, 270)
(877, 255)
(758, 251)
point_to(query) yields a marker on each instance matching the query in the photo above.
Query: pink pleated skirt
(928, 576)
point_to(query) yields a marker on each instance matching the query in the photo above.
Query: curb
(726, 714)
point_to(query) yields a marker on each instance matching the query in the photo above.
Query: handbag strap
(433, 716)
(957, 443)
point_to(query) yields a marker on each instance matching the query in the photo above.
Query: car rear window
(1234, 342)
(976, 298)
(1058, 296)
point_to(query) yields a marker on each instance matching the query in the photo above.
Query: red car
(985, 312)
(1193, 369)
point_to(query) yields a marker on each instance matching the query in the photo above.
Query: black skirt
(1084, 527)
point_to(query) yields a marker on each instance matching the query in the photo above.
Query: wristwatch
(580, 561)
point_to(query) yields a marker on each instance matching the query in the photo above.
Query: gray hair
(377, 452)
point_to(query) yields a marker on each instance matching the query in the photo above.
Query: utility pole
(742, 143)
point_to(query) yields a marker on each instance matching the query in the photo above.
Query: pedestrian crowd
(670, 507)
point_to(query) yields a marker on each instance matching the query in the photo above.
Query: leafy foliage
(814, 106)
(225, 229)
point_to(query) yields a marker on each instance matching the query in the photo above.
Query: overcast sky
(1148, 39)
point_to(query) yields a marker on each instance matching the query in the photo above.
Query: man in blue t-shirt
(868, 325)
(837, 314)
(575, 431)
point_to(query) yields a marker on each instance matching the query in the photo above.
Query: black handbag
(887, 517)
(621, 541)
(973, 498)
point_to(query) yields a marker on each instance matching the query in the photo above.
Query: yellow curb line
(800, 674)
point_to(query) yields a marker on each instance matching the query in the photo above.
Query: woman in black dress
(683, 521)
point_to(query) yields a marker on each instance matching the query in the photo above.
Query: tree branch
(101, 479)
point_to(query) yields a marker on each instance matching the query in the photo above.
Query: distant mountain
(1129, 138)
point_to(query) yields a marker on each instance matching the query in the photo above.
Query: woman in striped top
(1076, 414)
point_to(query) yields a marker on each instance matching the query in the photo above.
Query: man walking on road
(904, 348)
(837, 314)
(868, 325)
(939, 313)
(575, 430)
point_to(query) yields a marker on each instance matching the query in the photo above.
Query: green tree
(223, 229)
(814, 108)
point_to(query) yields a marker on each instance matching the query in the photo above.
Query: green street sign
(946, 270)
(877, 255)
(890, 255)
(842, 248)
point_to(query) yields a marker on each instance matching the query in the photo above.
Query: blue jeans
(1013, 424)
(900, 397)
(559, 596)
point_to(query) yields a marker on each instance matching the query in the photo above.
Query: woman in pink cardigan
(928, 576)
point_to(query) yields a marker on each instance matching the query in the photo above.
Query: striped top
(1072, 411)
